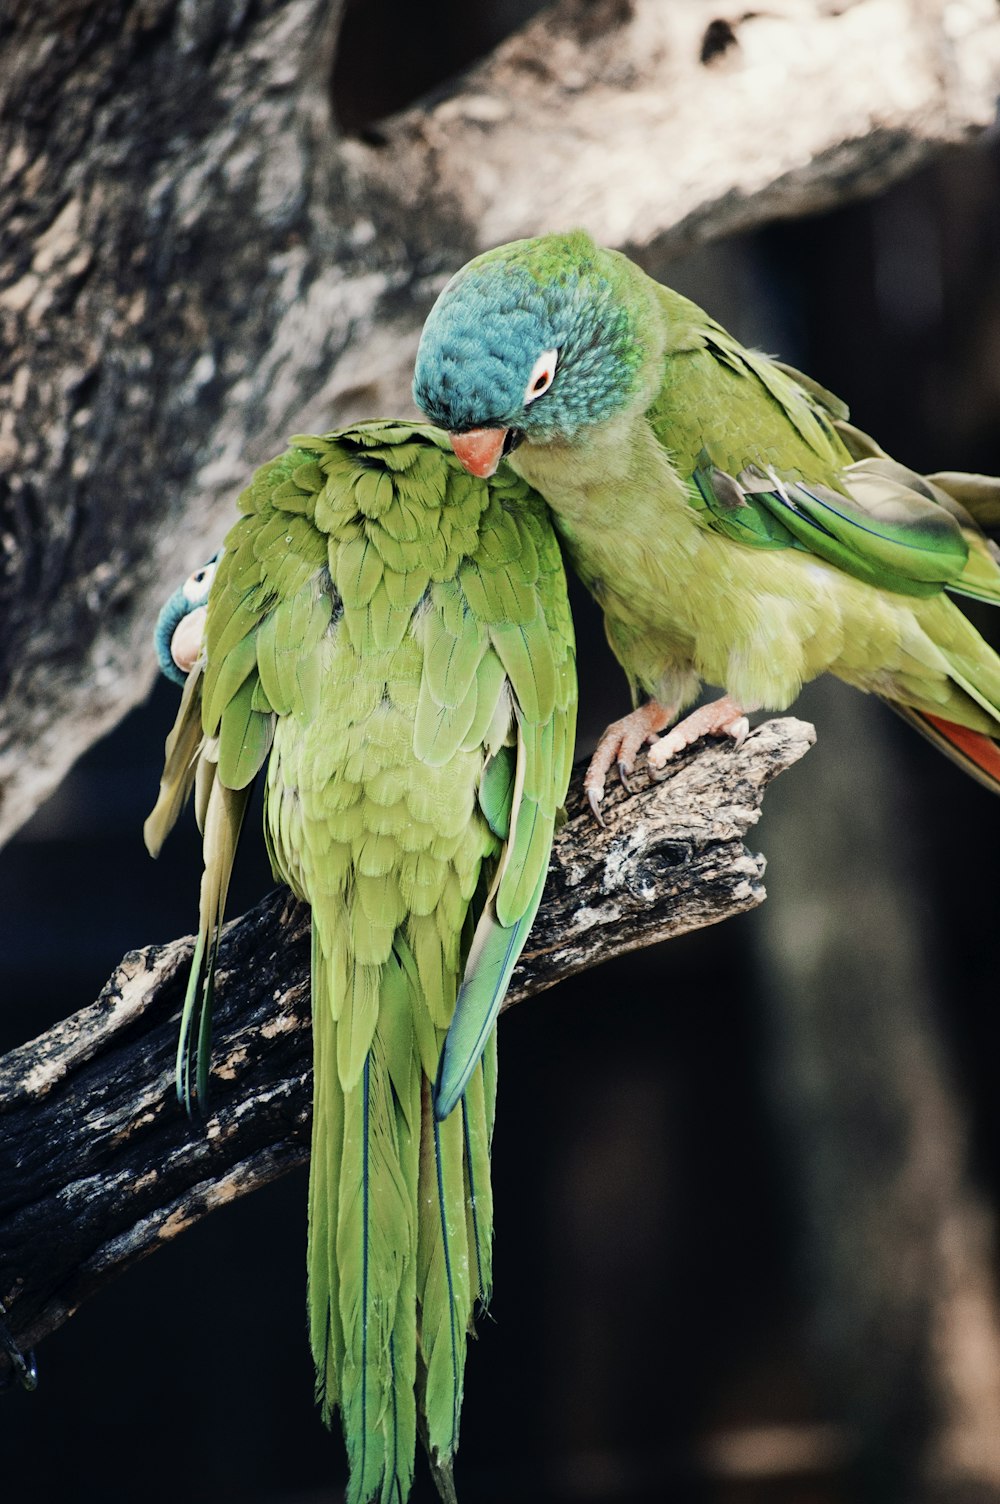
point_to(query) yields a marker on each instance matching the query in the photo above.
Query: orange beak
(480, 450)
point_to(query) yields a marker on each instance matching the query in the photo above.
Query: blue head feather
(187, 598)
(500, 313)
(167, 622)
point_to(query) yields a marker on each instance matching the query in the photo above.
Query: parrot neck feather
(593, 481)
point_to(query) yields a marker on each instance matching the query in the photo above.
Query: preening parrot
(731, 522)
(391, 636)
(180, 626)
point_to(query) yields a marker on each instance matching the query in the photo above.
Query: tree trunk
(195, 263)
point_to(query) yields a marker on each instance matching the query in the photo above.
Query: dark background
(653, 1317)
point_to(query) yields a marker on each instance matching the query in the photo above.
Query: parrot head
(180, 626)
(535, 341)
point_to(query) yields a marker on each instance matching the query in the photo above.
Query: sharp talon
(739, 731)
(24, 1365)
(618, 746)
(594, 800)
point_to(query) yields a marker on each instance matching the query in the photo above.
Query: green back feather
(396, 635)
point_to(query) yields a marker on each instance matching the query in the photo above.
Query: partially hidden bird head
(536, 340)
(180, 626)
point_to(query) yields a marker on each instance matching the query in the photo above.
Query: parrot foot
(621, 743)
(721, 718)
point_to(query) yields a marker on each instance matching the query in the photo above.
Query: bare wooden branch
(193, 263)
(98, 1165)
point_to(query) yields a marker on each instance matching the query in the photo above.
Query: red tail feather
(971, 746)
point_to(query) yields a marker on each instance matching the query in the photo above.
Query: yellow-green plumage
(389, 630)
(733, 525)
(686, 604)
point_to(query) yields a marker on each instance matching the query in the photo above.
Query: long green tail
(400, 1238)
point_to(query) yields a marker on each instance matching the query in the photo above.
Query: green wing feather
(496, 790)
(192, 760)
(876, 528)
(392, 638)
(180, 765)
(521, 801)
(224, 813)
(495, 951)
(225, 725)
(787, 469)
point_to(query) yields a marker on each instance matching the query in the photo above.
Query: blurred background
(745, 1183)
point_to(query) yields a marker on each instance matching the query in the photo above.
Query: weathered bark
(98, 1165)
(193, 264)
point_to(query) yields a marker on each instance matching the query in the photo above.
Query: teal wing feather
(787, 469)
(531, 634)
(877, 528)
(488, 969)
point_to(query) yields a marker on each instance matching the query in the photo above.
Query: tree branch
(194, 264)
(98, 1166)
(680, 123)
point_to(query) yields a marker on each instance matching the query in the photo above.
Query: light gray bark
(194, 264)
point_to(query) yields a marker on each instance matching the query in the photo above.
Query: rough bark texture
(194, 263)
(98, 1165)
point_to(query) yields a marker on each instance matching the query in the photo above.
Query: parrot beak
(480, 450)
(185, 645)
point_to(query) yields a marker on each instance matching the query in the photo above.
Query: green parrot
(732, 524)
(391, 636)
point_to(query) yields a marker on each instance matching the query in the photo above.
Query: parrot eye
(542, 375)
(197, 585)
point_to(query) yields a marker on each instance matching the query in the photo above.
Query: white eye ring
(197, 585)
(542, 375)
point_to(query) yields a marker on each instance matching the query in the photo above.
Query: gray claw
(739, 731)
(624, 773)
(594, 800)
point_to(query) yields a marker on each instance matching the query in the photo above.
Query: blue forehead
(169, 618)
(482, 338)
(497, 316)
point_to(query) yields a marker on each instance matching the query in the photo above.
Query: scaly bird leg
(621, 742)
(721, 718)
